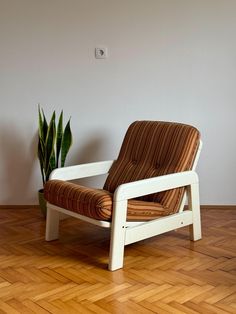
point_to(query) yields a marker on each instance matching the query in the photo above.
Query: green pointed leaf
(45, 127)
(40, 122)
(66, 143)
(52, 166)
(41, 158)
(53, 143)
(41, 147)
(50, 142)
(59, 137)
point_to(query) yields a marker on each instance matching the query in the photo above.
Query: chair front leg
(52, 224)
(194, 205)
(117, 241)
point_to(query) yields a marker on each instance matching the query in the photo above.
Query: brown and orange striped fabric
(149, 149)
(95, 203)
(152, 149)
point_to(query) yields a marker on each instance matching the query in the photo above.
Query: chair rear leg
(52, 224)
(195, 228)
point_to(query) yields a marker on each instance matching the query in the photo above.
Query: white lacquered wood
(158, 226)
(100, 223)
(153, 185)
(193, 168)
(194, 206)
(118, 230)
(197, 156)
(52, 224)
(81, 171)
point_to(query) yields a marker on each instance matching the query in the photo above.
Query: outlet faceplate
(101, 53)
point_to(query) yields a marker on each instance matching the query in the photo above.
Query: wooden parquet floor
(164, 274)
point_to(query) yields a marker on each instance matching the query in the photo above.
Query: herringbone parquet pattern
(164, 274)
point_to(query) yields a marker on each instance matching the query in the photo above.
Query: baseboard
(208, 207)
(19, 206)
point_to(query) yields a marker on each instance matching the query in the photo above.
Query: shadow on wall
(17, 160)
(91, 151)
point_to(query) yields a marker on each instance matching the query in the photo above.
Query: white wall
(169, 60)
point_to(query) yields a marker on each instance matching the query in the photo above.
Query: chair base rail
(100, 223)
(158, 226)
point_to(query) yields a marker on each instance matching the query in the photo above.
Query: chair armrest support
(81, 171)
(156, 184)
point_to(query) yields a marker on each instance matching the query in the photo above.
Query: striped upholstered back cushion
(152, 149)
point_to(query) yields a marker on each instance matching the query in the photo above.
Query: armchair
(145, 191)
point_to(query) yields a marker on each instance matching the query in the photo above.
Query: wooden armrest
(154, 185)
(81, 171)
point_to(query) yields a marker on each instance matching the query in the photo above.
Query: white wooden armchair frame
(123, 232)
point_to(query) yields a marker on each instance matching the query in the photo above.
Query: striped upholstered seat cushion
(96, 203)
(149, 149)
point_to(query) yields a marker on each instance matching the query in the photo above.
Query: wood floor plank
(164, 274)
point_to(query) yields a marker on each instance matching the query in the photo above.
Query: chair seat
(96, 203)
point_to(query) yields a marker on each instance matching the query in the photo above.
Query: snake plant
(54, 143)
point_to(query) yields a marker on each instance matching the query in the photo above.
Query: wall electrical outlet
(101, 53)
